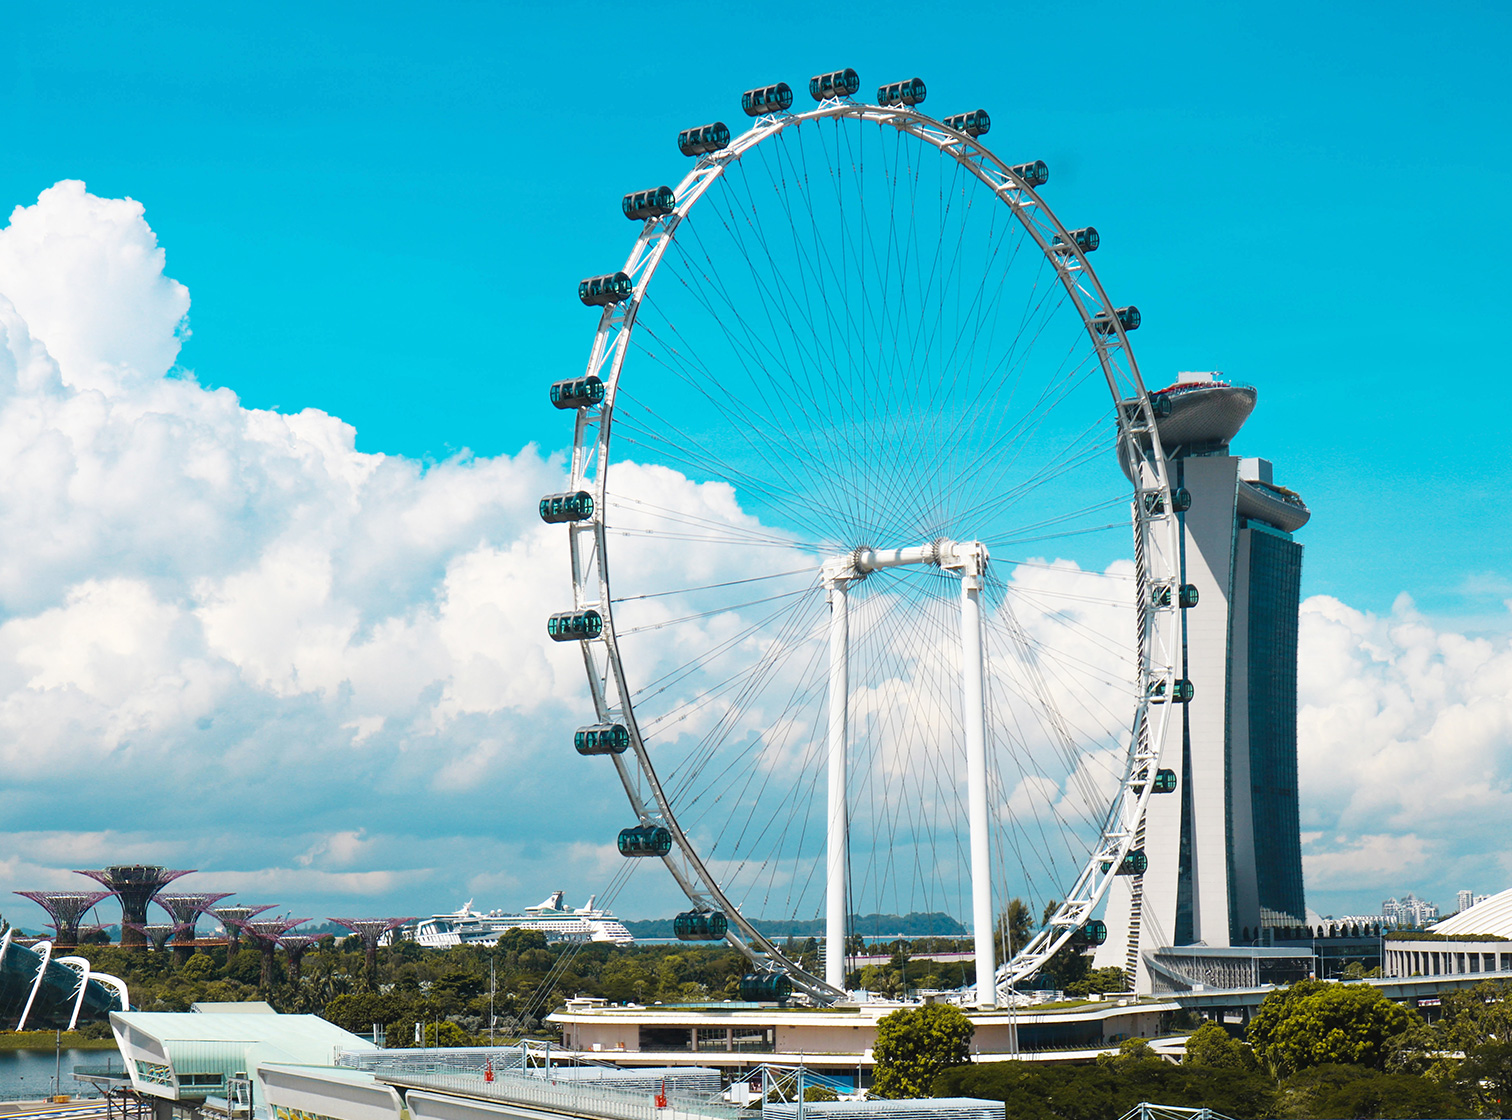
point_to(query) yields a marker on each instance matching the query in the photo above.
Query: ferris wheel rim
(589, 546)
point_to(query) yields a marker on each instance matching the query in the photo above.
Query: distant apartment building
(1467, 899)
(1410, 912)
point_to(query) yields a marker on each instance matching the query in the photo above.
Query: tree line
(1313, 1050)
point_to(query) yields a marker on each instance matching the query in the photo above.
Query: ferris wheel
(863, 596)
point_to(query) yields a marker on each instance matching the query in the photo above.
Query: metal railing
(574, 1098)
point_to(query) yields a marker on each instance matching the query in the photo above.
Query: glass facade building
(1275, 588)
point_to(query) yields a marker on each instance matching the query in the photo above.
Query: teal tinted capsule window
(766, 987)
(644, 840)
(640, 205)
(837, 83)
(601, 291)
(908, 92)
(1165, 781)
(580, 392)
(1128, 318)
(602, 738)
(1093, 933)
(559, 508)
(572, 626)
(1035, 174)
(1188, 596)
(1160, 595)
(1135, 863)
(1181, 691)
(974, 123)
(703, 139)
(767, 99)
(700, 925)
(1085, 239)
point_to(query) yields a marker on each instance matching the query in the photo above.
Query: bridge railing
(580, 1098)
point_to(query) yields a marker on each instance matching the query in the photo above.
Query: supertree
(67, 910)
(371, 930)
(134, 884)
(186, 909)
(295, 946)
(157, 935)
(265, 934)
(231, 918)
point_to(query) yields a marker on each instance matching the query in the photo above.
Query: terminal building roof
(1493, 917)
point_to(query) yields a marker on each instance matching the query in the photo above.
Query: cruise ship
(556, 920)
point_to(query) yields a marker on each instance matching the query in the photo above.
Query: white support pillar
(838, 829)
(974, 719)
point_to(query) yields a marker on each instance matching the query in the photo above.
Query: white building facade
(1224, 850)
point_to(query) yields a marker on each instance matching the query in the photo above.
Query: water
(28, 1074)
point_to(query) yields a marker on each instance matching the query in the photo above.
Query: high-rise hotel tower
(1224, 849)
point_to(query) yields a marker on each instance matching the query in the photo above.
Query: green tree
(1477, 1016)
(1132, 1054)
(1485, 1076)
(1388, 1096)
(1015, 928)
(1313, 1023)
(915, 1045)
(1211, 1047)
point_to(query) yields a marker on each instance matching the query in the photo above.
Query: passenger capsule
(704, 139)
(644, 840)
(1165, 781)
(1128, 318)
(910, 91)
(700, 925)
(837, 83)
(1185, 596)
(1085, 239)
(1135, 863)
(602, 738)
(1181, 692)
(767, 99)
(1160, 405)
(601, 291)
(766, 987)
(1181, 500)
(974, 123)
(1035, 174)
(558, 508)
(574, 626)
(1091, 933)
(578, 392)
(655, 203)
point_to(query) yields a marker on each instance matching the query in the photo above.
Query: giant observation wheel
(851, 556)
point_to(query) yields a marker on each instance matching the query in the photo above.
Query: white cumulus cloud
(230, 640)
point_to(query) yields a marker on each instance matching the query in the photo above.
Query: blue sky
(381, 213)
(383, 216)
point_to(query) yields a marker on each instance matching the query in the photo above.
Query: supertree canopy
(231, 918)
(134, 884)
(67, 910)
(295, 946)
(265, 935)
(157, 935)
(186, 909)
(371, 930)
